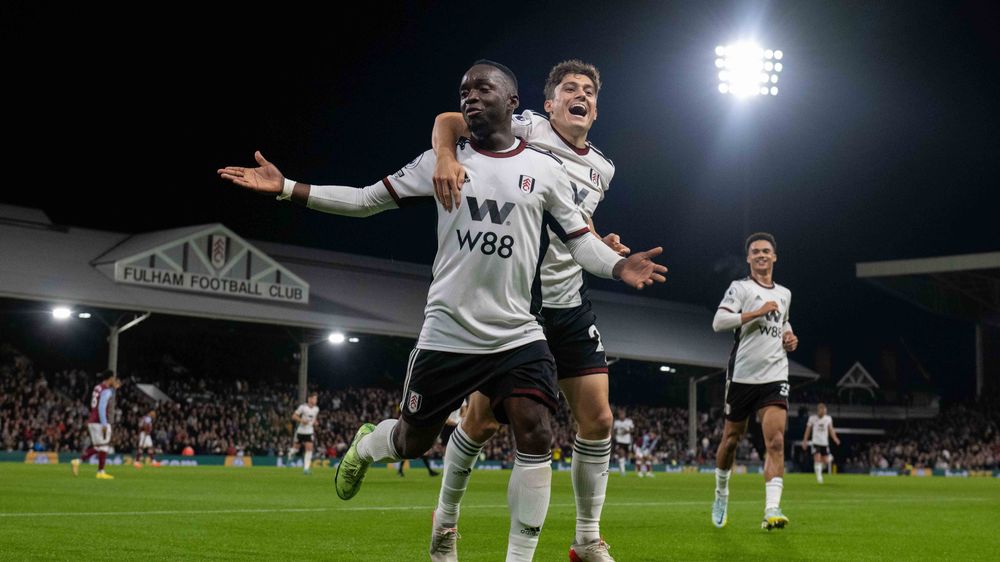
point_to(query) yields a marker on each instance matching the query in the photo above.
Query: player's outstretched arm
(266, 178)
(449, 175)
(833, 435)
(334, 199)
(805, 437)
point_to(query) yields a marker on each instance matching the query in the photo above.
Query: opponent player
(145, 440)
(756, 309)
(102, 407)
(571, 92)
(479, 332)
(644, 454)
(821, 428)
(623, 428)
(305, 418)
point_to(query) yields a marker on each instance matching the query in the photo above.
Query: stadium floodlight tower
(333, 338)
(746, 70)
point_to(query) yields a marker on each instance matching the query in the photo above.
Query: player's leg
(622, 459)
(582, 370)
(587, 396)
(293, 450)
(427, 464)
(308, 457)
(436, 383)
(829, 461)
(530, 482)
(725, 455)
(460, 455)
(773, 420)
(818, 466)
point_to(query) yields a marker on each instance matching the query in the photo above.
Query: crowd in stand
(963, 437)
(48, 411)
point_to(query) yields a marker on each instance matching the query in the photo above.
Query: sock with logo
(528, 498)
(590, 483)
(459, 458)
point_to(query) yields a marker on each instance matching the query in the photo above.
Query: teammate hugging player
(756, 308)
(479, 331)
(821, 428)
(305, 418)
(571, 92)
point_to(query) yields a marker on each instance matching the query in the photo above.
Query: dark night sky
(882, 144)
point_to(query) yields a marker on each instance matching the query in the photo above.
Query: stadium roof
(83, 267)
(967, 286)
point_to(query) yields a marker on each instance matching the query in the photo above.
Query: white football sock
(772, 492)
(819, 471)
(590, 484)
(528, 498)
(377, 446)
(459, 458)
(308, 460)
(722, 482)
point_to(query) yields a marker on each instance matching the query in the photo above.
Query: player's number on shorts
(595, 335)
(784, 389)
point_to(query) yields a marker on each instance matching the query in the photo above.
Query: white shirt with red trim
(758, 356)
(820, 430)
(486, 275)
(308, 415)
(590, 174)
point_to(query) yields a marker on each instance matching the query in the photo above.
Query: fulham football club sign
(214, 261)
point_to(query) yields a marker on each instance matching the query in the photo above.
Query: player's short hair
(572, 66)
(502, 68)
(107, 374)
(766, 236)
(313, 393)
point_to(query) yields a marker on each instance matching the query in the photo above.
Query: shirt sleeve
(521, 125)
(732, 301)
(414, 181)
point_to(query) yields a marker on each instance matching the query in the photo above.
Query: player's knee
(480, 430)
(776, 443)
(532, 430)
(597, 426)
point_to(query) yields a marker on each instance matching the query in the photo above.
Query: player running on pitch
(623, 428)
(102, 407)
(305, 418)
(756, 309)
(821, 428)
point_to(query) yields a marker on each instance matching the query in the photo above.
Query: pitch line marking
(424, 507)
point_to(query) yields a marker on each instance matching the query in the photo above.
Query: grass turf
(279, 514)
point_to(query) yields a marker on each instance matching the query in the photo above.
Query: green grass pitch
(219, 513)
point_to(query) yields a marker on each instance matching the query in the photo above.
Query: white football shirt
(486, 276)
(758, 356)
(623, 431)
(590, 174)
(820, 429)
(308, 415)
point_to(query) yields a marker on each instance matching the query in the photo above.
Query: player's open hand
(614, 242)
(266, 178)
(639, 269)
(790, 341)
(449, 176)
